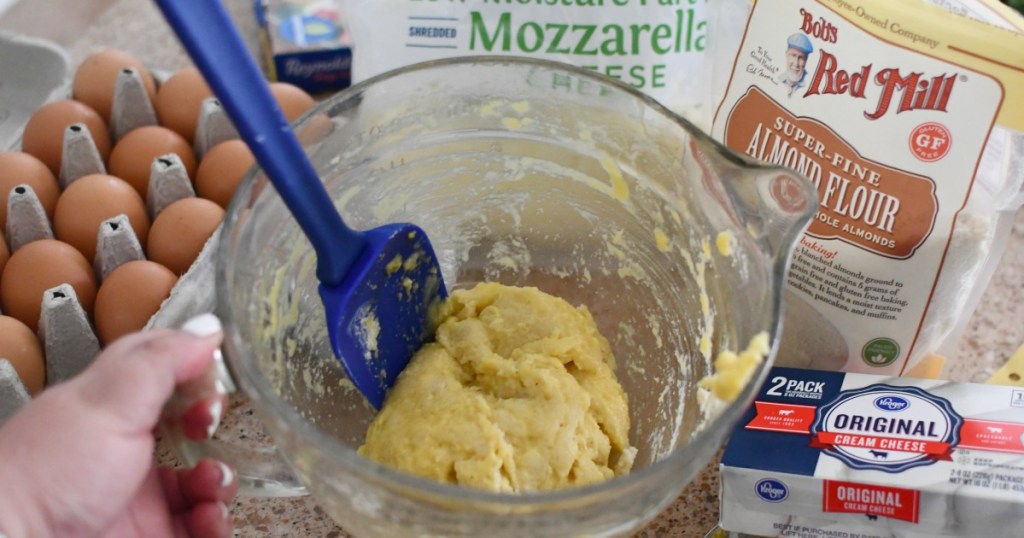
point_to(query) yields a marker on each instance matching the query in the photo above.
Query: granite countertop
(992, 334)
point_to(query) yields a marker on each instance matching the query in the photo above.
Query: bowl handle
(776, 204)
(203, 417)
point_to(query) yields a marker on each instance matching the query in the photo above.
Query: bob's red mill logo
(904, 91)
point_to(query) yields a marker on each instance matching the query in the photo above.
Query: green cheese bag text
(656, 46)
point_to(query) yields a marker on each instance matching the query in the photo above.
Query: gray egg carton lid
(43, 74)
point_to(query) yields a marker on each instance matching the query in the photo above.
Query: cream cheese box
(855, 455)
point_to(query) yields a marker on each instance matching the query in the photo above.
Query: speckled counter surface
(993, 333)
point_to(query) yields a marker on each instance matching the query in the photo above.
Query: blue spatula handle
(208, 34)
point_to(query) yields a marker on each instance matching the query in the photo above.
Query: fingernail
(224, 382)
(205, 325)
(225, 513)
(226, 474)
(215, 411)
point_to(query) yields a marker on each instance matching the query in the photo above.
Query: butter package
(304, 43)
(857, 455)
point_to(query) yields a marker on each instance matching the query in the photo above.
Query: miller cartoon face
(795, 62)
(798, 48)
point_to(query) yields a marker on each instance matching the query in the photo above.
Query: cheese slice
(1012, 373)
(929, 367)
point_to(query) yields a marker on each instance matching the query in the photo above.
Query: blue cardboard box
(305, 43)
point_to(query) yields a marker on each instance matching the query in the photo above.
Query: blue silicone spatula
(377, 286)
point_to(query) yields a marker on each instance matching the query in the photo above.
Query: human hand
(78, 459)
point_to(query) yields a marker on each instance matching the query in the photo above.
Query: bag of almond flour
(993, 12)
(908, 118)
(653, 45)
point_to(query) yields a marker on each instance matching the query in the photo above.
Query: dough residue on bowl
(734, 370)
(517, 393)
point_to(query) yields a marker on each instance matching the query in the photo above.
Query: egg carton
(69, 339)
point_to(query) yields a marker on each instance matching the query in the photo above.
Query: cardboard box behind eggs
(304, 43)
(125, 210)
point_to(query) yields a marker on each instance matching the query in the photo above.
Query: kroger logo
(771, 490)
(891, 403)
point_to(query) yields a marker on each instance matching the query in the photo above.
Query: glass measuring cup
(529, 173)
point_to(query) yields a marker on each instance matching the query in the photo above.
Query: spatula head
(382, 312)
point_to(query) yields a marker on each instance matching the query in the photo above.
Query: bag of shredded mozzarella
(909, 120)
(656, 46)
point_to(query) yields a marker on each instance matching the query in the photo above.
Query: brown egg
(19, 345)
(315, 129)
(133, 155)
(17, 168)
(179, 99)
(180, 231)
(293, 100)
(5, 254)
(129, 296)
(44, 132)
(92, 199)
(37, 267)
(96, 78)
(222, 169)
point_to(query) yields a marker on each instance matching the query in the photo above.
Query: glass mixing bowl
(528, 173)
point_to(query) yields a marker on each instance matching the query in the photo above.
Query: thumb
(133, 377)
